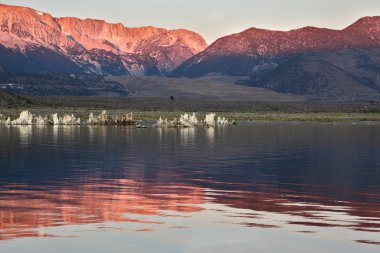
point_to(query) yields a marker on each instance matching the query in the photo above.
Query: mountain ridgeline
(311, 61)
(35, 42)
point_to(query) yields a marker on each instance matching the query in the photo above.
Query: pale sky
(213, 18)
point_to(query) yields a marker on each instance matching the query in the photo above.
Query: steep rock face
(254, 44)
(168, 47)
(92, 33)
(96, 46)
(22, 27)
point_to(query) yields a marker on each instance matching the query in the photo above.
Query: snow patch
(39, 13)
(11, 41)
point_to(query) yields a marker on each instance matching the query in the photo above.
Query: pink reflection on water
(23, 208)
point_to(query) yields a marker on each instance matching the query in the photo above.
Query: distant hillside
(60, 85)
(351, 74)
(206, 88)
(237, 54)
(127, 86)
(320, 63)
(9, 99)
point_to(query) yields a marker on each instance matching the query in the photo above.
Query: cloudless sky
(213, 18)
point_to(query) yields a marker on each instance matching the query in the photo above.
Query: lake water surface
(252, 188)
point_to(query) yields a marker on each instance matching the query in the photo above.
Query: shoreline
(151, 109)
(154, 115)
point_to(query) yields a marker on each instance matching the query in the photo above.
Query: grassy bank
(153, 108)
(238, 116)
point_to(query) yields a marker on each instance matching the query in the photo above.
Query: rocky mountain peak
(88, 41)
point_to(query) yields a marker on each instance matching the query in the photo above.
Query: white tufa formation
(184, 121)
(39, 120)
(26, 118)
(189, 121)
(160, 122)
(166, 123)
(56, 119)
(222, 121)
(210, 120)
(92, 120)
(8, 121)
(66, 120)
(104, 119)
(193, 120)
(70, 120)
(3, 119)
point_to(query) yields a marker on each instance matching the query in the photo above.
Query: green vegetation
(150, 115)
(153, 108)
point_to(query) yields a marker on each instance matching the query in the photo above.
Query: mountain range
(311, 61)
(251, 46)
(35, 42)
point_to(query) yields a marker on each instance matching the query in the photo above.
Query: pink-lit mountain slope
(238, 53)
(321, 63)
(33, 41)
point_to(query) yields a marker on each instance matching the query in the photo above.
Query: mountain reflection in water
(315, 180)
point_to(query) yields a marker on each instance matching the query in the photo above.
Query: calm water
(254, 188)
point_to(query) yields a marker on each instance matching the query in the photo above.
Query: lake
(264, 187)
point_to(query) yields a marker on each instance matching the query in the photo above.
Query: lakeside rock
(27, 118)
(104, 119)
(210, 120)
(186, 120)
